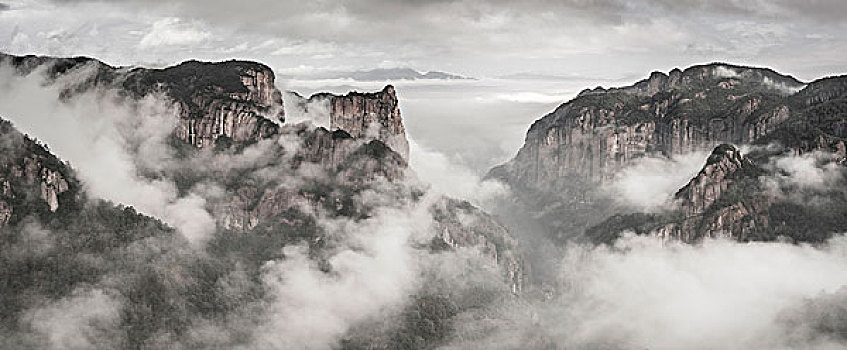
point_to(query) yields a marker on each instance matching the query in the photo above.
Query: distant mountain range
(388, 74)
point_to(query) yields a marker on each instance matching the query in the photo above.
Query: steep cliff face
(571, 152)
(722, 166)
(32, 181)
(723, 200)
(736, 198)
(460, 224)
(373, 115)
(234, 99)
(305, 172)
(594, 135)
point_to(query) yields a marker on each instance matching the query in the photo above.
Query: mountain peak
(724, 165)
(358, 113)
(725, 153)
(710, 75)
(402, 73)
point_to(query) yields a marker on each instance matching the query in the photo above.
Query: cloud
(649, 183)
(644, 293)
(109, 140)
(87, 319)
(452, 179)
(725, 72)
(813, 178)
(173, 31)
(301, 110)
(720, 294)
(785, 88)
(808, 170)
(371, 275)
(525, 97)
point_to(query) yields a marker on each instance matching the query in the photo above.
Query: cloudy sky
(527, 56)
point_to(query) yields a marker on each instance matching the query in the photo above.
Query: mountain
(569, 154)
(357, 112)
(385, 74)
(234, 99)
(271, 187)
(57, 241)
(734, 197)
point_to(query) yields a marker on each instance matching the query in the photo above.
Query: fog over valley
(446, 174)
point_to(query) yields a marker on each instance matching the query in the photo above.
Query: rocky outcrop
(374, 115)
(234, 99)
(722, 200)
(32, 181)
(733, 197)
(460, 224)
(570, 153)
(705, 188)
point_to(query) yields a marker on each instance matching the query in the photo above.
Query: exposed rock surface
(726, 171)
(234, 99)
(227, 107)
(374, 115)
(460, 224)
(734, 197)
(31, 179)
(705, 188)
(571, 152)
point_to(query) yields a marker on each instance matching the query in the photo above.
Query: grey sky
(588, 42)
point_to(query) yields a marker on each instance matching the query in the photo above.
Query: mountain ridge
(269, 194)
(569, 153)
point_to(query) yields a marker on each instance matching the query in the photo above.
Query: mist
(108, 139)
(645, 293)
(387, 273)
(649, 183)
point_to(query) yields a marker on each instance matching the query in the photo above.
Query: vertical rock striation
(570, 153)
(32, 181)
(234, 99)
(370, 115)
(723, 200)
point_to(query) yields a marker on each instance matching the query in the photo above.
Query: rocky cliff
(595, 134)
(734, 197)
(722, 167)
(460, 224)
(371, 115)
(571, 152)
(32, 181)
(268, 184)
(235, 100)
(723, 199)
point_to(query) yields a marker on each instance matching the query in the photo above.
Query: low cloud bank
(649, 183)
(109, 140)
(449, 178)
(643, 293)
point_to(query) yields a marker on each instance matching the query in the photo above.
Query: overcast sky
(527, 56)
